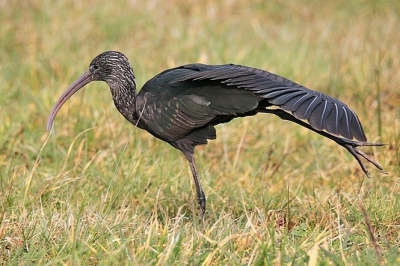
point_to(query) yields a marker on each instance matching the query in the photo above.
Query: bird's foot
(352, 145)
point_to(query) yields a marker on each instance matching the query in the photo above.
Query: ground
(96, 190)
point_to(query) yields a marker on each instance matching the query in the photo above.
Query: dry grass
(277, 194)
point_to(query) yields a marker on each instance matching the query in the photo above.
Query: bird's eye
(94, 67)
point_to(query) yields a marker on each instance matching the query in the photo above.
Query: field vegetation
(98, 191)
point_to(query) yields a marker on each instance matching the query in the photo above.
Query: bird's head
(111, 67)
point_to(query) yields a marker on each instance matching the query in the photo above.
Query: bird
(182, 105)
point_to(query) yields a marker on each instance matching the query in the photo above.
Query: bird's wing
(173, 110)
(322, 111)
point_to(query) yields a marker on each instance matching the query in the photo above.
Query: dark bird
(183, 105)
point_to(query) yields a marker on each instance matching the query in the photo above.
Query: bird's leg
(201, 197)
(349, 145)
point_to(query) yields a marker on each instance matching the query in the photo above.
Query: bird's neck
(124, 96)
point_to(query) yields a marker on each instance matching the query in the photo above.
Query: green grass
(277, 193)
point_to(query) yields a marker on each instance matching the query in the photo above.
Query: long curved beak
(77, 85)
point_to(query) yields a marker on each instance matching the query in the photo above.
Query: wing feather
(320, 110)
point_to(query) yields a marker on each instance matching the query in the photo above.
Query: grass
(97, 191)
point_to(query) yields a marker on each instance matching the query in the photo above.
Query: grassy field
(97, 191)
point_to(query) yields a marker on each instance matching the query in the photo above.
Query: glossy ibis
(182, 105)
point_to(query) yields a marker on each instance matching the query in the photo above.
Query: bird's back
(181, 100)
